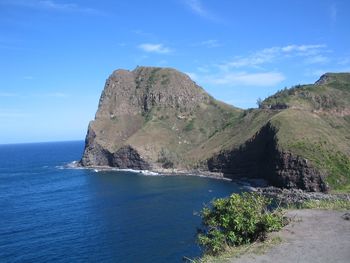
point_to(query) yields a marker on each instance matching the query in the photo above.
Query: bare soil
(312, 236)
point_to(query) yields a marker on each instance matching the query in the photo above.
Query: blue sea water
(50, 214)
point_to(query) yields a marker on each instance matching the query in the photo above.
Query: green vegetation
(235, 252)
(334, 163)
(335, 204)
(189, 126)
(237, 220)
(230, 252)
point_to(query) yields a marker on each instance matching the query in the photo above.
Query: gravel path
(312, 236)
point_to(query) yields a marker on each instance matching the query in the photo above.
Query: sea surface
(50, 213)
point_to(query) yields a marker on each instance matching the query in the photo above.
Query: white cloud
(300, 48)
(197, 7)
(312, 53)
(253, 60)
(261, 79)
(58, 6)
(154, 48)
(52, 5)
(260, 68)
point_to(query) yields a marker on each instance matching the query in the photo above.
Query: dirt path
(313, 236)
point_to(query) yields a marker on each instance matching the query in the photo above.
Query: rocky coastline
(284, 196)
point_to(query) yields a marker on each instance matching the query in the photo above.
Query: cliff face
(260, 157)
(125, 157)
(153, 118)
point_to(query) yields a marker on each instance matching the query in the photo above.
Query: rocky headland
(158, 119)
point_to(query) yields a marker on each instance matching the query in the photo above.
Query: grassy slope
(239, 129)
(178, 134)
(316, 126)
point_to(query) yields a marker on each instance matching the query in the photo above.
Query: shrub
(237, 220)
(189, 126)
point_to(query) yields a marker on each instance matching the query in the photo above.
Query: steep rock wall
(124, 158)
(260, 158)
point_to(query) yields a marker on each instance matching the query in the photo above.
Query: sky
(55, 55)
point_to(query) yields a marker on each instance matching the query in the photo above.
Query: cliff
(155, 118)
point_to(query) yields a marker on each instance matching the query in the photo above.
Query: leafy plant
(237, 220)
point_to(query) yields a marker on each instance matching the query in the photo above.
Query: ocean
(51, 213)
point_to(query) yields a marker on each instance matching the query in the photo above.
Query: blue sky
(55, 55)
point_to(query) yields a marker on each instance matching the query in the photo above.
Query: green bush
(237, 220)
(189, 126)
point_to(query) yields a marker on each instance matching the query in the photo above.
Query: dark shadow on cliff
(260, 157)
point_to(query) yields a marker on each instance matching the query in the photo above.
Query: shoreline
(153, 172)
(283, 195)
(250, 184)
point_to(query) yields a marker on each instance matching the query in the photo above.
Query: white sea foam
(75, 165)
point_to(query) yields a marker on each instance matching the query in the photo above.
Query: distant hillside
(158, 118)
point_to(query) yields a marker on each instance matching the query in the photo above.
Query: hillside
(156, 118)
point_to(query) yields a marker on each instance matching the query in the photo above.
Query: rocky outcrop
(128, 157)
(125, 157)
(324, 79)
(292, 171)
(129, 100)
(139, 91)
(94, 153)
(260, 158)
